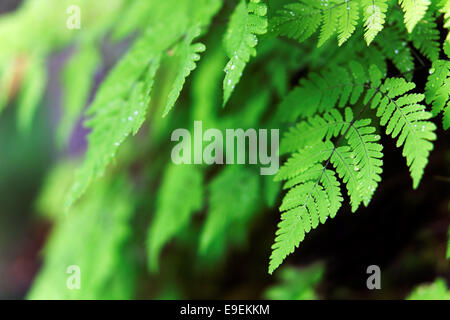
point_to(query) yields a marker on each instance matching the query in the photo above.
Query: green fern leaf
(114, 120)
(247, 21)
(188, 54)
(303, 160)
(374, 17)
(301, 20)
(329, 25)
(360, 162)
(444, 8)
(401, 113)
(322, 92)
(436, 290)
(298, 21)
(437, 90)
(179, 197)
(414, 11)
(426, 37)
(405, 118)
(315, 195)
(348, 15)
(395, 48)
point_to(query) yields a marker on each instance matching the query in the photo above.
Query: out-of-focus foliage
(151, 67)
(296, 284)
(180, 196)
(77, 240)
(436, 290)
(42, 26)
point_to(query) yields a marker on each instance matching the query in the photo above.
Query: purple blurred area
(9, 5)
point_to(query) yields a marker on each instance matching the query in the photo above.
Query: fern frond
(113, 123)
(328, 29)
(437, 90)
(360, 162)
(426, 37)
(444, 8)
(312, 130)
(322, 92)
(304, 159)
(399, 110)
(315, 196)
(374, 17)
(300, 21)
(394, 46)
(179, 197)
(357, 162)
(348, 13)
(247, 21)
(188, 54)
(414, 11)
(405, 118)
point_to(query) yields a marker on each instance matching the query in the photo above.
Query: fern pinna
(355, 157)
(301, 19)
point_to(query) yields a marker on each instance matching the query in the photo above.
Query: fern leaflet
(247, 21)
(301, 20)
(405, 118)
(315, 196)
(437, 90)
(414, 11)
(374, 17)
(188, 54)
(425, 37)
(118, 118)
